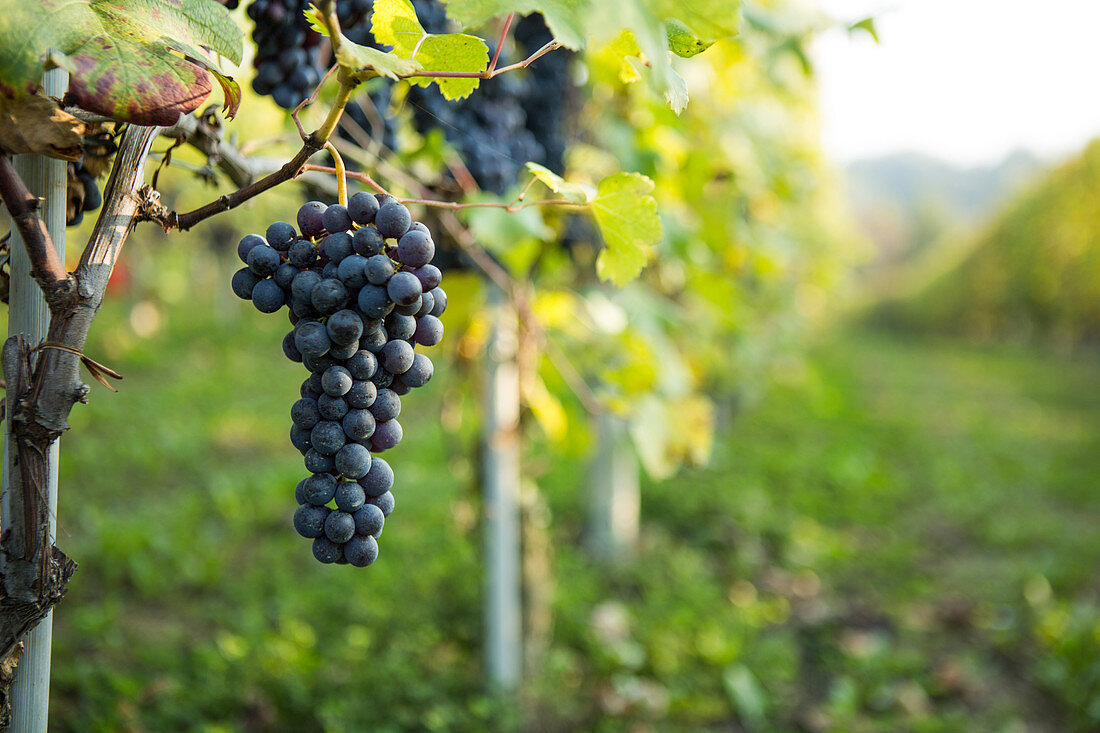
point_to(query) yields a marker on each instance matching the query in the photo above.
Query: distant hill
(905, 201)
(1033, 272)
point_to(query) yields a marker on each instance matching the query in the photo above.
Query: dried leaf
(37, 124)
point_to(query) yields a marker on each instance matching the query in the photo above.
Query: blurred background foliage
(852, 520)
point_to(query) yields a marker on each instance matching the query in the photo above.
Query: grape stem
(341, 174)
(513, 206)
(500, 42)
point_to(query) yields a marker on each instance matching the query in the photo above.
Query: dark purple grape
(311, 219)
(336, 219)
(415, 249)
(362, 207)
(392, 220)
(403, 288)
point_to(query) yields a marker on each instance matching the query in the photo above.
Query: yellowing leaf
(575, 192)
(626, 213)
(394, 23)
(453, 52)
(141, 61)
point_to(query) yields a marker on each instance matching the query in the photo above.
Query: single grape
(317, 463)
(350, 498)
(362, 207)
(302, 254)
(367, 241)
(440, 297)
(399, 387)
(337, 246)
(339, 526)
(382, 378)
(379, 478)
(374, 302)
(379, 269)
(332, 408)
(329, 296)
(400, 327)
(361, 395)
(311, 218)
(247, 243)
(392, 220)
(352, 271)
(336, 218)
(387, 434)
(369, 520)
(429, 277)
(338, 352)
(362, 365)
(419, 373)
(299, 492)
(268, 297)
(415, 248)
(360, 551)
(403, 288)
(299, 438)
(244, 280)
(281, 235)
(304, 413)
(353, 460)
(385, 502)
(387, 405)
(284, 275)
(427, 302)
(429, 330)
(327, 437)
(319, 488)
(374, 340)
(304, 283)
(327, 551)
(358, 424)
(344, 327)
(311, 338)
(263, 260)
(397, 356)
(309, 520)
(336, 381)
(319, 364)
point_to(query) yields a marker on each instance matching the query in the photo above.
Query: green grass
(903, 536)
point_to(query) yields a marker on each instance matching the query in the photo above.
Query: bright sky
(965, 80)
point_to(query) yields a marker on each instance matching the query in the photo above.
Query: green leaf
(575, 192)
(626, 213)
(141, 61)
(394, 23)
(867, 25)
(364, 62)
(682, 42)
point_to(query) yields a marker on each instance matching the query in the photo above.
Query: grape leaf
(626, 213)
(394, 23)
(141, 61)
(576, 192)
(682, 42)
(364, 62)
(685, 25)
(38, 125)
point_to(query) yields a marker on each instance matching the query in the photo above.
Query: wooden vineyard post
(27, 314)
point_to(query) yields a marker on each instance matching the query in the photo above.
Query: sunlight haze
(964, 80)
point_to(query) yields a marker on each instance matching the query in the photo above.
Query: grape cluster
(362, 295)
(288, 50)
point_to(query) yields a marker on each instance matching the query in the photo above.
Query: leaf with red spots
(141, 61)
